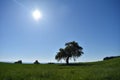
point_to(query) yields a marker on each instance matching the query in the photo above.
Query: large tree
(71, 50)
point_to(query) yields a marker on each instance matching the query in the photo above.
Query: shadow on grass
(77, 64)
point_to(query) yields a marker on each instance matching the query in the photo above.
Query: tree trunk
(67, 60)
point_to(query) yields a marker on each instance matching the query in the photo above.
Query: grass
(103, 70)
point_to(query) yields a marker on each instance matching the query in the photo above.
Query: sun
(37, 15)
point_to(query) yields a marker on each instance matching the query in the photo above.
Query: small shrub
(36, 62)
(18, 62)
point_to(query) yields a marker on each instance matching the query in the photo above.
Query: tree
(71, 50)
(18, 62)
(36, 62)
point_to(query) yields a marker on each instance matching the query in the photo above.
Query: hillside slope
(103, 70)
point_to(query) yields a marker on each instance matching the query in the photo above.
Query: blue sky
(94, 24)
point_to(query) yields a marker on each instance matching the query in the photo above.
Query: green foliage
(18, 62)
(36, 62)
(72, 50)
(103, 70)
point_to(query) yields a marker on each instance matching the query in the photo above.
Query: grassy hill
(103, 70)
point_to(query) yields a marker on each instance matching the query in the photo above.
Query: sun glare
(37, 15)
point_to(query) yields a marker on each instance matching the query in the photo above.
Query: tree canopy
(36, 62)
(18, 62)
(71, 50)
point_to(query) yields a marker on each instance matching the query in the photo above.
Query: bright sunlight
(37, 15)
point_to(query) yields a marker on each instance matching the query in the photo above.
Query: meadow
(101, 70)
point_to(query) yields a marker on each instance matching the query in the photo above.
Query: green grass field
(103, 70)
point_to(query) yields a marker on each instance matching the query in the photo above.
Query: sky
(94, 24)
